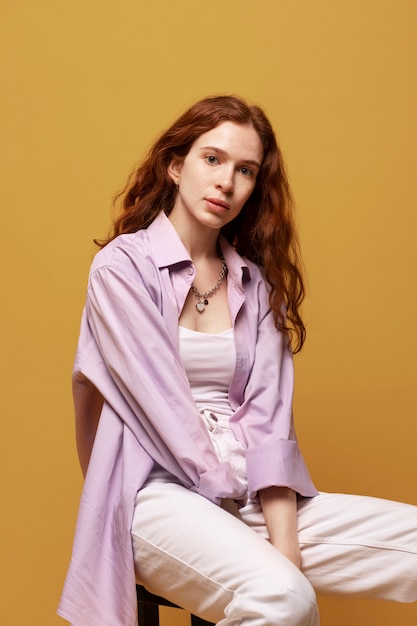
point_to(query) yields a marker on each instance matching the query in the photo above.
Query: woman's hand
(279, 506)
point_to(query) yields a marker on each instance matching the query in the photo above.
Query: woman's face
(217, 176)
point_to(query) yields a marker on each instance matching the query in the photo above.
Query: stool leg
(148, 614)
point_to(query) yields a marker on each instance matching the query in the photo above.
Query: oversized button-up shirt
(128, 349)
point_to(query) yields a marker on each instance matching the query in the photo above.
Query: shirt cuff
(219, 482)
(278, 462)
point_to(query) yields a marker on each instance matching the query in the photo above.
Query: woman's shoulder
(157, 245)
(127, 253)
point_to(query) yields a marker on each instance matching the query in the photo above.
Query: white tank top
(209, 360)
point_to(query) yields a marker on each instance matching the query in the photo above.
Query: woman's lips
(218, 204)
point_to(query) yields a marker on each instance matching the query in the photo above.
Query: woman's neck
(199, 240)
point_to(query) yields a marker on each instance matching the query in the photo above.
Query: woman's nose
(225, 180)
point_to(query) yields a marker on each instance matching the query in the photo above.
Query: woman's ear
(174, 170)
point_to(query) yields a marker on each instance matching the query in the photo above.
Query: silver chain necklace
(202, 298)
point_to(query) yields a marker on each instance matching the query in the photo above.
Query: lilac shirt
(128, 348)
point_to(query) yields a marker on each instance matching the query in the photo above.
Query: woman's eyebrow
(223, 153)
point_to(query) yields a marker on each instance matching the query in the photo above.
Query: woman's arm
(88, 403)
(279, 506)
(263, 421)
(130, 354)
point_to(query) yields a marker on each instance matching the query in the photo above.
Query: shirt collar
(168, 249)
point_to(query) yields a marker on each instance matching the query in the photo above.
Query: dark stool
(148, 609)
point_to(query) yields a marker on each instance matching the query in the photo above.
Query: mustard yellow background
(86, 86)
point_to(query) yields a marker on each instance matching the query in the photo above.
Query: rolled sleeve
(281, 461)
(215, 482)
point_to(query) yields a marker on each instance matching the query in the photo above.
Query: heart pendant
(200, 306)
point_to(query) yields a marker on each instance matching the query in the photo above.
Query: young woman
(183, 383)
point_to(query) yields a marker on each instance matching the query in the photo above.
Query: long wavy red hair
(264, 231)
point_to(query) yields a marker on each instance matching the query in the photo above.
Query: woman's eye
(246, 171)
(212, 159)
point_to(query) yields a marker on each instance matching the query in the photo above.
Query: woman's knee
(289, 601)
(296, 604)
(302, 608)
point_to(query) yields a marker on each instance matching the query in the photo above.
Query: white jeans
(221, 566)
